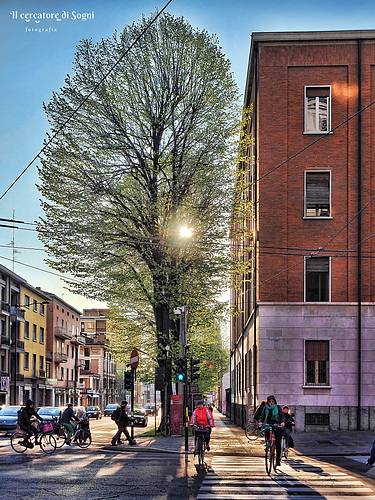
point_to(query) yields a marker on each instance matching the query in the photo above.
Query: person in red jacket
(202, 417)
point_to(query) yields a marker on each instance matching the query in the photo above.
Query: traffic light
(194, 369)
(128, 380)
(181, 370)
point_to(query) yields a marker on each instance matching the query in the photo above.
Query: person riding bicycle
(120, 416)
(273, 414)
(289, 424)
(258, 412)
(202, 417)
(24, 421)
(66, 421)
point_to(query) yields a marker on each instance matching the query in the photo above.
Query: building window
(317, 419)
(317, 109)
(317, 362)
(35, 305)
(41, 309)
(27, 301)
(34, 365)
(41, 335)
(34, 333)
(87, 364)
(26, 330)
(26, 361)
(41, 363)
(318, 194)
(62, 373)
(317, 279)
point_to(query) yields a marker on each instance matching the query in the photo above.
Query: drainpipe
(359, 266)
(255, 164)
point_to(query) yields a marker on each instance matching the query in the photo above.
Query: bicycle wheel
(284, 449)
(47, 443)
(60, 437)
(201, 453)
(165, 429)
(17, 442)
(268, 457)
(83, 438)
(252, 431)
(274, 455)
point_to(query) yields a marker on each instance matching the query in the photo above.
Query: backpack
(114, 415)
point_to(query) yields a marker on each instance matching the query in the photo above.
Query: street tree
(149, 151)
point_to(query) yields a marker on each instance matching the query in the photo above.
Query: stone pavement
(228, 438)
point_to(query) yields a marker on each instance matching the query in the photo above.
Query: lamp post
(14, 312)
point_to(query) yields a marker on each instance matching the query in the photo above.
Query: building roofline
(297, 36)
(55, 298)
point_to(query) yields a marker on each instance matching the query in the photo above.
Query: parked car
(140, 416)
(109, 409)
(150, 409)
(94, 412)
(9, 418)
(49, 412)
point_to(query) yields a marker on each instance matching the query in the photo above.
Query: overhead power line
(86, 98)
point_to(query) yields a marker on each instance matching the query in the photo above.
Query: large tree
(150, 150)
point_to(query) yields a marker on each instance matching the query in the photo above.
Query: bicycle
(165, 428)
(81, 434)
(60, 433)
(20, 442)
(200, 443)
(284, 448)
(270, 451)
(253, 431)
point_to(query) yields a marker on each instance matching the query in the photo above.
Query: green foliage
(151, 149)
(204, 339)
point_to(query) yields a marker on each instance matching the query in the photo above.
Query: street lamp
(13, 319)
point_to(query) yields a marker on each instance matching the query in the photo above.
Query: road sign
(134, 358)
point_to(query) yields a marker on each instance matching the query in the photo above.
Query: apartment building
(63, 361)
(304, 295)
(99, 373)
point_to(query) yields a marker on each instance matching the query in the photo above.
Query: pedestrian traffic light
(181, 370)
(128, 380)
(194, 369)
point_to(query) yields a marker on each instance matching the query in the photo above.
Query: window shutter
(317, 91)
(317, 188)
(316, 350)
(317, 265)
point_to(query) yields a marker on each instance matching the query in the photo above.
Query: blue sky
(34, 63)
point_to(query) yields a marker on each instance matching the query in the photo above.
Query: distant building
(304, 301)
(63, 362)
(98, 377)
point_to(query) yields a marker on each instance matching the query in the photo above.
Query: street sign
(134, 358)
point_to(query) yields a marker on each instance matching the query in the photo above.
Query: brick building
(304, 327)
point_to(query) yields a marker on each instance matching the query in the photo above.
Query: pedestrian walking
(122, 419)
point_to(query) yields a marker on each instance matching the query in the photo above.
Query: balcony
(5, 307)
(79, 340)
(80, 363)
(17, 314)
(4, 340)
(62, 333)
(61, 357)
(20, 345)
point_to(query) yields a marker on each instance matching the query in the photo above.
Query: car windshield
(111, 406)
(9, 411)
(91, 408)
(49, 411)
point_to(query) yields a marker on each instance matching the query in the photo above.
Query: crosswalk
(300, 478)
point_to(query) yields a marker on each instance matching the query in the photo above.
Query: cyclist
(66, 420)
(258, 412)
(202, 417)
(289, 424)
(273, 414)
(120, 416)
(24, 421)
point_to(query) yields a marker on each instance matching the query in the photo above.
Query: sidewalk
(228, 438)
